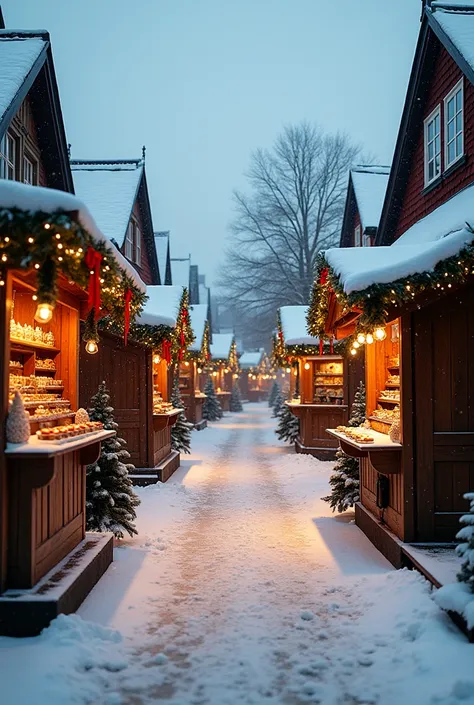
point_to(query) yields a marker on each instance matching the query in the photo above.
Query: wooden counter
(314, 420)
(224, 399)
(384, 454)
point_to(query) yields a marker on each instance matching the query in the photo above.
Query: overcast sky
(204, 82)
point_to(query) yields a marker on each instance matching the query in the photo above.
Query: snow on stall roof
(293, 324)
(370, 185)
(180, 271)
(198, 314)
(162, 240)
(110, 191)
(251, 359)
(458, 25)
(220, 347)
(162, 307)
(37, 198)
(17, 57)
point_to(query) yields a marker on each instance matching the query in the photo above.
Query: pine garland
(181, 431)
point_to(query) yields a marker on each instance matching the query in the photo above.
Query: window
(8, 157)
(138, 245)
(367, 242)
(433, 146)
(453, 125)
(129, 241)
(29, 171)
(358, 236)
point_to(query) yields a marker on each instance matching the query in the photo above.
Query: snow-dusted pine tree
(466, 549)
(181, 431)
(110, 499)
(235, 400)
(273, 393)
(278, 403)
(344, 480)
(288, 426)
(211, 409)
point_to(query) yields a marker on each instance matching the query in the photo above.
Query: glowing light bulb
(295, 372)
(214, 374)
(380, 333)
(44, 313)
(361, 338)
(186, 364)
(91, 347)
(307, 365)
(156, 359)
(199, 370)
(355, 344)
(353, 351)
(369, 338)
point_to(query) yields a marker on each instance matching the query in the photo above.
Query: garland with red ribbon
(166, 346)
(93, 260)
(128, 297)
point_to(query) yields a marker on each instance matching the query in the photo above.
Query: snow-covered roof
(198, 315)
(18, 55)
(162, 307)
(180, 271)
(370, 185)
(220, 347)
(251, 359)
(457, 22)
(37, 198)
(293, 325)
(110, 190)
(162, 240)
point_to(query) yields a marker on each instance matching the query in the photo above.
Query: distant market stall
(224, 366)
(256, 375)
(192, 371)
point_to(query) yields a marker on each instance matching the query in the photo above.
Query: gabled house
(180, 271)
(365, 195)
(117, 195)
(33, 146)
(162, 246)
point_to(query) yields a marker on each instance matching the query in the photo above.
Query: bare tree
(293, 209)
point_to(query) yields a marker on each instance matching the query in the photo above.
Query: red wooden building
(222, 372)
(365, 196)
(412, 299)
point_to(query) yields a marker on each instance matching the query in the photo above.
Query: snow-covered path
(243, 588)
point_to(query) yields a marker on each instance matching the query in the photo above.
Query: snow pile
(47, 200)
(162, 307)
(369, 188)
(180, 272)
(251, 359)
(220, 346)
(198, 316)
(458, 26)
(110, 192)
(293, 324)
(17, 58)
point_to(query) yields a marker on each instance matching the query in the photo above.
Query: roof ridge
(24, 34)
(448, 7)
(105, 162)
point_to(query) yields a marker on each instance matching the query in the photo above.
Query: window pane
(458, 100)
(438, 164)
(430, 150)
(430, 171)
(450, 130)
(450, 152)
(450, 108)
(438, 145)
(459, 145)
(436, 123)
(459, 122)
(430, 131)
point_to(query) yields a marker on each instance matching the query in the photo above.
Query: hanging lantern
(91, 347)
(44, 312)
(307, 365)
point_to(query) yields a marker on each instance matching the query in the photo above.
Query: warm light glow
(355, 344)
(353, 351)
(214, 374)
(44, 313)
(91, 347)
(369, 339)
(361, 338)
(307, 365)
(235, 376)
(288, 369)
(186, 364)
(380, 333)
(199, 370)
(156, 359)
(295, 372)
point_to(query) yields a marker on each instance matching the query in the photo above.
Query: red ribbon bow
(320, 347)
(93, 260)
(126, 328)
(166, 351)
(323, 276)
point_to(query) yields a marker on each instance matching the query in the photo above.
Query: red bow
(166, 351)
(126, 328)
(93, 260)
(320, 347)
(280, 335)
(331, 346)
(323, 276)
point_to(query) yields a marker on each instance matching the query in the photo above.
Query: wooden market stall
(191, 371)
(256, 375)
(417, 331)
(224, 365)
(326, 382)
(44, 549)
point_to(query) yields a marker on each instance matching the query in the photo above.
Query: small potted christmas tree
(110, 499)
(235, 400)
(181, 431)
(288, 427)
(211, 409)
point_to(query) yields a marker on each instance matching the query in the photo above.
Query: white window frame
(7, 161)
(29, 166)
(459, 87)
(358, 236)
(138, 245)
(129, 241)
(436, 113)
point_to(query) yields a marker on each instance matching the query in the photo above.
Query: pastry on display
(389, 395)
(30, 334)
(45, 364)
(60, 433)
(360, 435)
(393, 379)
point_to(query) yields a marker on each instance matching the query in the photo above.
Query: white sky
(204, 82)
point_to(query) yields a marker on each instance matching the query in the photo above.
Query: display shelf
(45, 402)
(330, 385)
(17, 345)
(49, 370)
(35, 447)
(393, 367)
(392, 385)
(56, 417)
(388, 422)
(328, 374)
(381, 440)
(388, 401)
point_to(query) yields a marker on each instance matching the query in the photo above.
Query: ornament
(81, 416)
(395, 432)
(18, 421)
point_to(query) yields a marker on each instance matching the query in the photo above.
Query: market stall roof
(293, 325)
(198, 315)
(370, 184)
(180, 271)
(251, 359)
(162, 307)
(220, 346)
(39, 199)
(441, 234)
(110, 190)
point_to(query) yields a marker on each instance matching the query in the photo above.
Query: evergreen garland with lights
(181, 431)
(183, 335)
(233, 362)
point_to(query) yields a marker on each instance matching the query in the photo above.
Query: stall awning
(293, 325)
(221, 344)
(162, 307)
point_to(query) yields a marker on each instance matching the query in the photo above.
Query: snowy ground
(242, 588)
